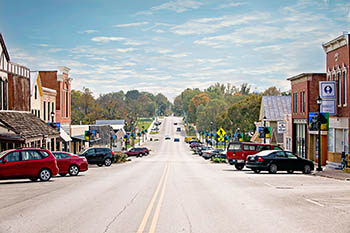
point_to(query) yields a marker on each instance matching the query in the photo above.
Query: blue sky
(167, 46)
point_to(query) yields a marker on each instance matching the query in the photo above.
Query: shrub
(120, 157)
(218, 160)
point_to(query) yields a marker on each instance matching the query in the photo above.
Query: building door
(301, 140)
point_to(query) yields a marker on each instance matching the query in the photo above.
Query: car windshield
(235, 146)
(3, 153)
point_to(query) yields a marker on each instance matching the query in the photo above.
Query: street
(173, 190)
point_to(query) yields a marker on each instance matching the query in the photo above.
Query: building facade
(337, 68)
(305, 91)
(61, 83)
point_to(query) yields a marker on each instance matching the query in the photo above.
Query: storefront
(300, 139)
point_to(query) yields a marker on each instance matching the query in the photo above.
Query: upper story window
(295, 102)
(44, 109)
(345, 83)
(339, 89)
(36, 92)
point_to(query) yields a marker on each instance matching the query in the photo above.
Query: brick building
(337, 68)
(61, 83)
(305, 91)
(18, 127)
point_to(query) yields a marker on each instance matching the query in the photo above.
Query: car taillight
(260, 159)
(112, 153)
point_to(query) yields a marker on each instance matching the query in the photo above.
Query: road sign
(281, 127)
(328, 89)
(221, 132)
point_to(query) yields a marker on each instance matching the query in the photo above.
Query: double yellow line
(160, 188)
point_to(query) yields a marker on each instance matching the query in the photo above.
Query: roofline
(338, 39)
(303, 75)
(4, 46)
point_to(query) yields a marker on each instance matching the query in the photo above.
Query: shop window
(339, 140)
(345, 88)
(331, 140)
(346, 141)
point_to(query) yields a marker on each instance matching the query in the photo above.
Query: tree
(272, 91)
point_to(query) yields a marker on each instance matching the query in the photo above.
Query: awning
(82, 138)
(65, 136)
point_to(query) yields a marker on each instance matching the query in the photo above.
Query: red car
(138, 152)
(27, 163)
(68, 163)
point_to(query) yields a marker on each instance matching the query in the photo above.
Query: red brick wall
(331, 63)
(18, 93)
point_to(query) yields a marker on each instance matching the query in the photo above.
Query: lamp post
(52, 117)
(264, 129)
(211, 132)
(319, 102)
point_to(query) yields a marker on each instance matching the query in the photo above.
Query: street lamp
(319, 102)
(52, 117)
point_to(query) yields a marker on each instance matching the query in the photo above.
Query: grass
(144, 122)
(154, 132)
(218, 160)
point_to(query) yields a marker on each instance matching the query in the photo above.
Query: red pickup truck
(138, 152)
(237, 152)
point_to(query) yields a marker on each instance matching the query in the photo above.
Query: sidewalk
(334, 174)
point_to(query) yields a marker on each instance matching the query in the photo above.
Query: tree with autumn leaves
(86, 109)
(227, 106)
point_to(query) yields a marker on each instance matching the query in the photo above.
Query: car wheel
(63, 174)
(73, 170)
(257, 171)
(290, 171)
(100, 164)
(108, 162)
(45, 174)
(307, 169)
(140, 155)
(273, 168)
(231, 162)
(34, 179)
(239, 166)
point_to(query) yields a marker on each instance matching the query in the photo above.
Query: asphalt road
(172, 190)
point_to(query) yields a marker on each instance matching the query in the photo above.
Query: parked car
(277, 160)
(138, 152)
(167, 137)
(207, 153)
(176, 139)
(204, 149)
(68, 163)
(218, 153)
(98, 155)
(194, 145)
(237, 152)
(190, 138)
(28, 163)
(178, 129)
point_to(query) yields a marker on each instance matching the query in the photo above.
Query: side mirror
(4, 161)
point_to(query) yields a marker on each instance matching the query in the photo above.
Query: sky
(163, 46)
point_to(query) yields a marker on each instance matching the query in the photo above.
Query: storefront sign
(328, 89)
(330, 106)
(281, 127)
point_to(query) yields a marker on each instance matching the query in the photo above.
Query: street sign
(330, 106)
(281, 127)
(221, 132)
(328, 89)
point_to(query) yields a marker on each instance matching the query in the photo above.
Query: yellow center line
(150, 206)
(157, 211)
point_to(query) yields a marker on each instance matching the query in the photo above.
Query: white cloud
(90, 31)
(55, 50)
(179, 6)
(126, 50)
(43, 45)
(131, 24)
(232, 4)
(211, 25)
(105, 39)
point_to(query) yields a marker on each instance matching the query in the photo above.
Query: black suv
(98, 155)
